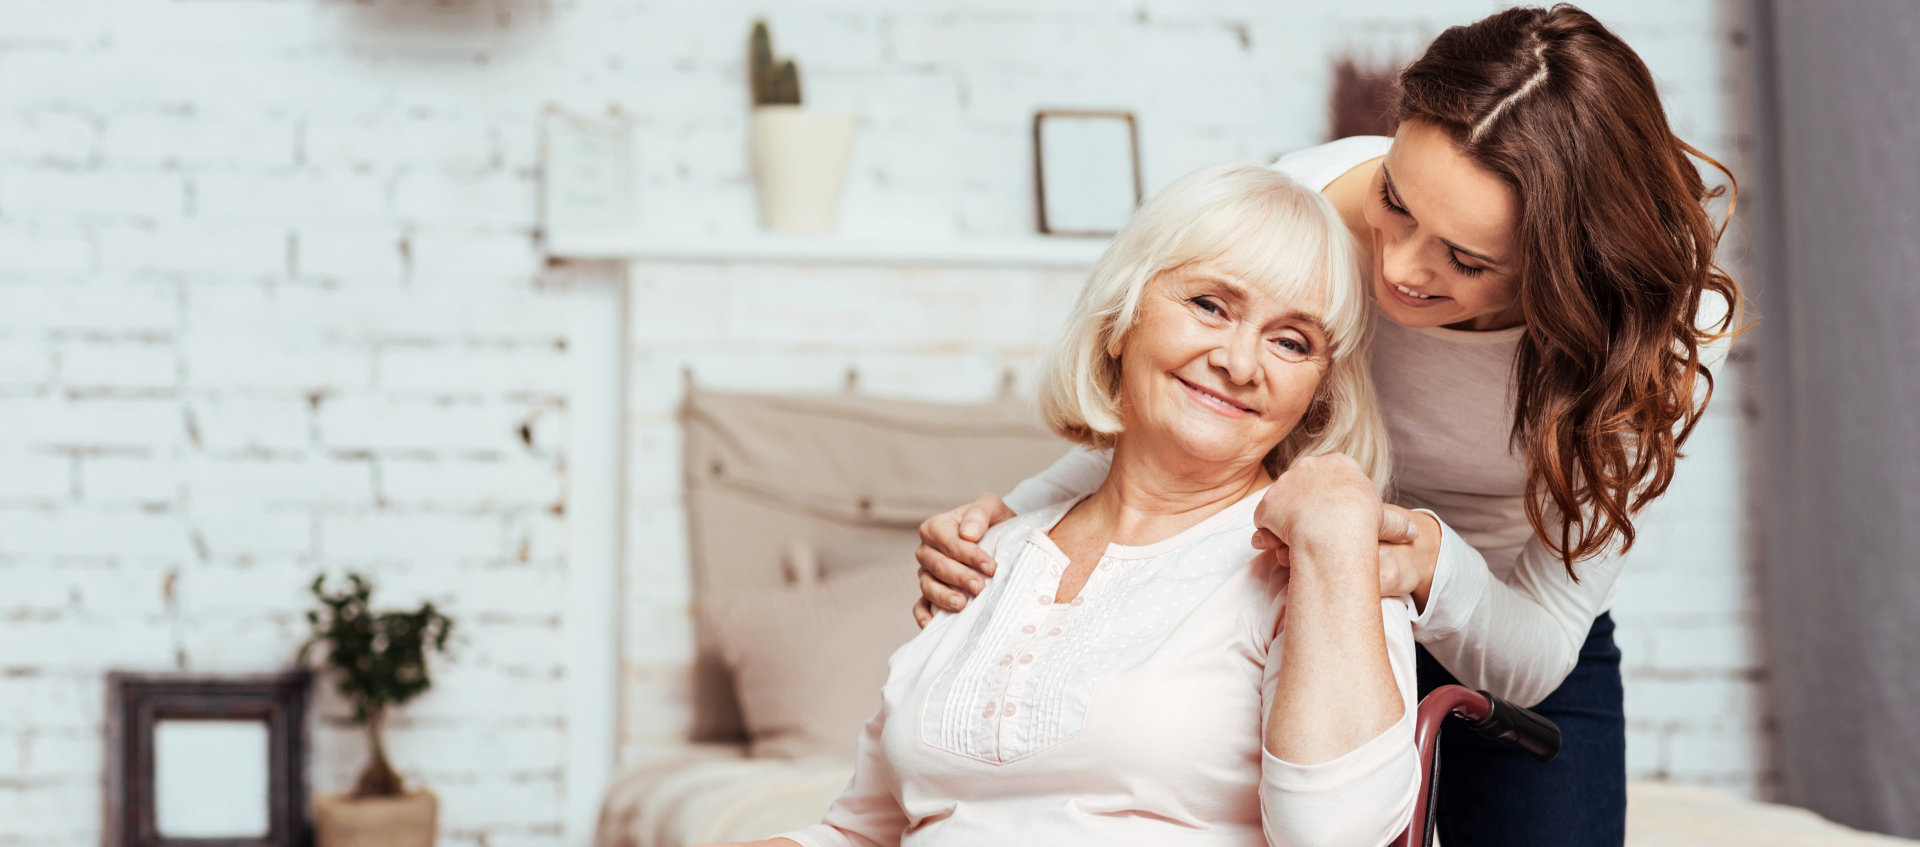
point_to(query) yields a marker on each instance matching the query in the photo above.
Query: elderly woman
(1139, 673)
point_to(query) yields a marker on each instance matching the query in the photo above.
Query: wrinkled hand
(1325, 502)
(1332, 494)
(953, 566)
(1322, 500)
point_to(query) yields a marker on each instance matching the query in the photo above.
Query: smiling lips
(1214, 400)
(1414, 298)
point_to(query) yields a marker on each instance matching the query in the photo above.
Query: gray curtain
(1838, 292)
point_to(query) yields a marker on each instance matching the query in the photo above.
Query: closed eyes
(1453, 258)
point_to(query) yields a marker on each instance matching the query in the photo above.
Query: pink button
(1077, 601)
(1053, 571)
(989, 712)
(1008, 711)
(1044, 599)
(1027, 659)
(1106, 566)
(1054, 631)
(1006, 660)
(1028, 629)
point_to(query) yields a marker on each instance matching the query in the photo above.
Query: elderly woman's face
(1217, 369)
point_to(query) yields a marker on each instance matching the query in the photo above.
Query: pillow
(893, 552)
(808, 662)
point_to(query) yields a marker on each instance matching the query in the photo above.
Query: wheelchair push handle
(1514, 724)
(1485, 714)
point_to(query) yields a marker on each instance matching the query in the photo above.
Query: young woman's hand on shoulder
(953, 566)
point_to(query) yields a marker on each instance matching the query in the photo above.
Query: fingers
(973, 522)
(1264, 561)
(1389, 577)
(941, 542)
(1397, 525)
(1398, 575)
(1273, 557)
(940, 595)
(1264, 539)
(985, 511)
(952, 564)
(952, 573)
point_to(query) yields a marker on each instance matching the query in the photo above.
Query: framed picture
(1086, 171)
(207, 761)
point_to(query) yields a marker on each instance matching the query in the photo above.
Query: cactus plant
(770, 83)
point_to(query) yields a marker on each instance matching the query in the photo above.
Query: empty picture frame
(207, 761)
(1086, 171)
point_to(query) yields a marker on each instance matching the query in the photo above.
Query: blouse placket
(1029, 655)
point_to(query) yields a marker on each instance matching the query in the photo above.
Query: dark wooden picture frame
(1048, 225)
(137, 702)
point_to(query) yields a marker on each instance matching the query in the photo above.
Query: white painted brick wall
(269, 306)
(259, 320)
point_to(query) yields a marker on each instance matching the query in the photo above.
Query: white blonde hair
(1266, 230)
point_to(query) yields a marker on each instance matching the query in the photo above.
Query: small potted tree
(799, 155)
(381, 662)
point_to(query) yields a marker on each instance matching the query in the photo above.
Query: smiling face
(1216, 370)
(1442, 230)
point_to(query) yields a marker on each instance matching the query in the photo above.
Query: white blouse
(1132, 715)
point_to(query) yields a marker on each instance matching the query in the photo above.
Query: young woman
(1543, 265)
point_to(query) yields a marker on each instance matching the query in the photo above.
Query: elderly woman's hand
(1324, 499)
(1316, 490)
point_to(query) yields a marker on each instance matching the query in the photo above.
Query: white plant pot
(800, 166)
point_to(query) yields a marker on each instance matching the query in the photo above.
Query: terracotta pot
(800, 166)
(410, 820)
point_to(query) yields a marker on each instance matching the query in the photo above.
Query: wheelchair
(1486, 715)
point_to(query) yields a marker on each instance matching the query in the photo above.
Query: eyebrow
(1240, 291)
(1450, 245)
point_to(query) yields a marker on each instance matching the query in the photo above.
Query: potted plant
(799, 156)
(381, 662)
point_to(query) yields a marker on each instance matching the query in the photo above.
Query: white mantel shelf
(1044, 252)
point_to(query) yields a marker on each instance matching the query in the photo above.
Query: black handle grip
(1521, 726)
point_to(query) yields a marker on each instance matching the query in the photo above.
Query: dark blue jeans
(1496, 795)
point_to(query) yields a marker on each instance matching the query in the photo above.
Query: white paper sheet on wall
(589, 175)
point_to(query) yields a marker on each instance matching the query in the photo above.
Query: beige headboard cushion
(765, 472)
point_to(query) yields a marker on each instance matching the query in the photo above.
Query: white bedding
(714, 793)
(1664, 815)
